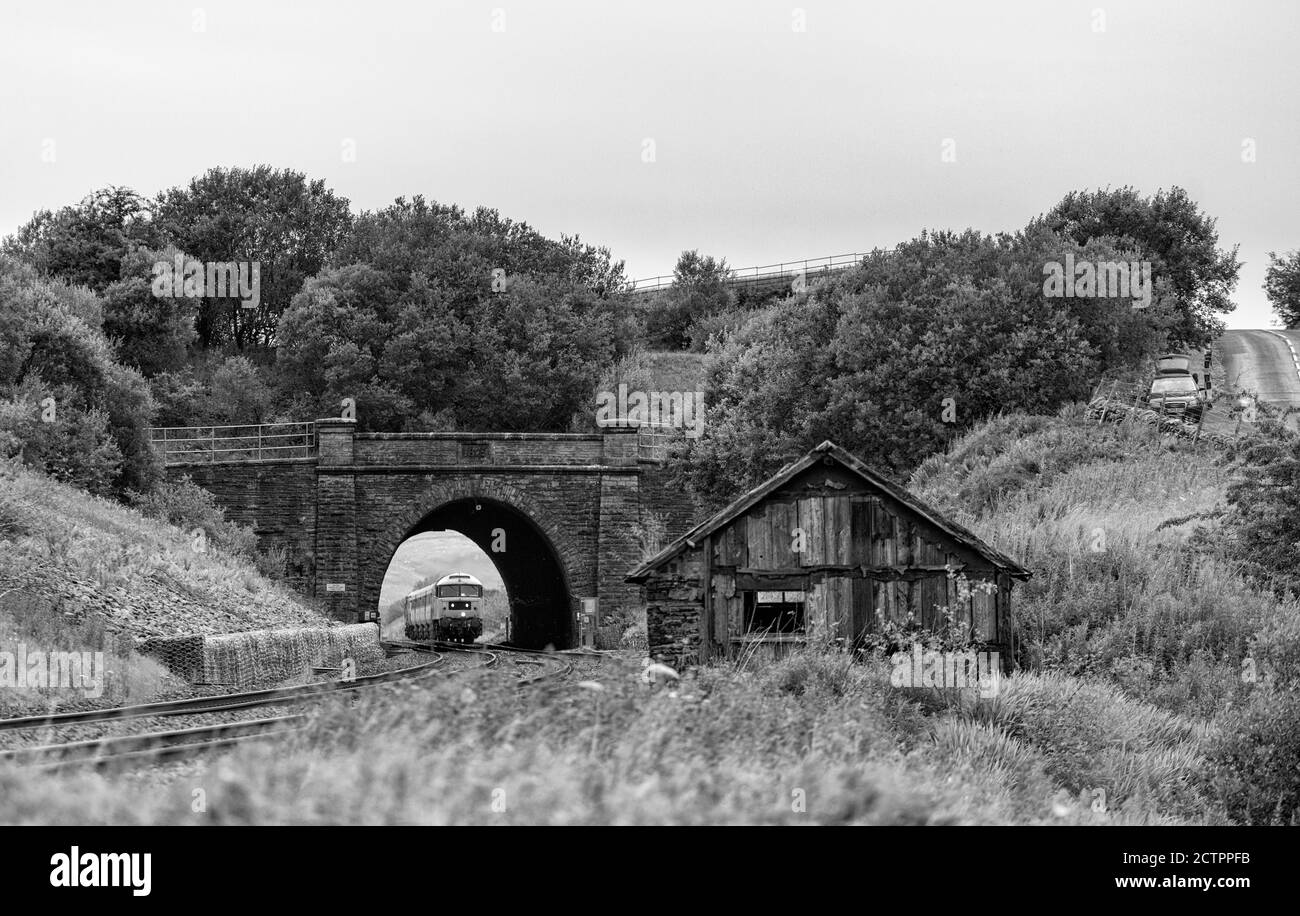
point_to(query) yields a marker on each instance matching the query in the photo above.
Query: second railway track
(154, 746)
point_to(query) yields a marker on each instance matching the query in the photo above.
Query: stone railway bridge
(569, 506)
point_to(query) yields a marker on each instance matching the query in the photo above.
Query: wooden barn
(820, 553)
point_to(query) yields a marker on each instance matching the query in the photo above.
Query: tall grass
(810, 739)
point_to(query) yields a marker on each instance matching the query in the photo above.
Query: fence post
(259, 442)
(212, 449)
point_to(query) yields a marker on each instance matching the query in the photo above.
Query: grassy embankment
(1132, 713)
(80, 573)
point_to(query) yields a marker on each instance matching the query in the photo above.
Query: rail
(654, 441)
(749, 275)
(255, 442)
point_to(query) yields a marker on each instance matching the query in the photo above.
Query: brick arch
(574, 564)
(439, 495)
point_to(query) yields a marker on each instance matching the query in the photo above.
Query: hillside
(1130, 710)
(82, 573)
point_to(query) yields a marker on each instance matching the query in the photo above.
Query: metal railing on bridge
(654, 441)
(809, 267)
(256, 442)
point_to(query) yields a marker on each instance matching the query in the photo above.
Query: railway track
(151, 747)
(551, 665)
(155, 746)
(225, 702)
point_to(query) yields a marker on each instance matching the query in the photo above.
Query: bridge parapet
(336, 441)
(478, 449)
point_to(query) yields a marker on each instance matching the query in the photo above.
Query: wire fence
(258, 442)
(1117, 403)
(264, 656)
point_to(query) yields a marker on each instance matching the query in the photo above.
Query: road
(1261, 362)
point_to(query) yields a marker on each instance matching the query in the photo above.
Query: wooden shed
(820, 553)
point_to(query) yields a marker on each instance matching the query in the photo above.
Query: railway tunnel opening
(522, 557)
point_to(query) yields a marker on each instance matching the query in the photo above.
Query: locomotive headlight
(462, 613)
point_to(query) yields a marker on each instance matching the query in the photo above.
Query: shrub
(190, 507)
(77, 447)
(1254, 759)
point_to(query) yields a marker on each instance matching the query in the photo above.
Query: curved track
(550, 665)
(223, 703)
(152, 746)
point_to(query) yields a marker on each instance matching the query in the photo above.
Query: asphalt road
(1261, 362)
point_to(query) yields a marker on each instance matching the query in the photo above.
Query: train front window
(460, 591)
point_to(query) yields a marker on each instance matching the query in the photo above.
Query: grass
(82, 573)
(809, 740)
(49, 527)
(1130, 708)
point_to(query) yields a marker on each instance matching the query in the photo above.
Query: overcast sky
(769, 142)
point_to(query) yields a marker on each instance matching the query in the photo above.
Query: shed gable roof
(744, 503)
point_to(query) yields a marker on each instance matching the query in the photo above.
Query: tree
(895, 357)
(522, 360)
(70, 406)
(699, 291)
(85, 244)
(275, 217)
(239, 393)
(1180, 241)
(1282, 285)
(471, 255)
(431, 318)
(150, 332)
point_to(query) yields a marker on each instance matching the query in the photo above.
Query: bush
(1254, 758)
(77, 447)
(190, 507)
(52, 347)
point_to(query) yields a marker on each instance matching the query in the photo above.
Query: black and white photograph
(674, 414)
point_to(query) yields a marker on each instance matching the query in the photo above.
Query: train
(449, 610)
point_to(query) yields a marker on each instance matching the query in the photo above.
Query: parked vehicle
(1176, 389)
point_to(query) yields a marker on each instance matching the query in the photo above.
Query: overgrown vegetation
(811, 739)
(1159, 643)
(1154, 575)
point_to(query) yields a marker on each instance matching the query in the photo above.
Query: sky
(436, 553)
(755, 131)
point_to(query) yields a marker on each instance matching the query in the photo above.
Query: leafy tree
(871, 357)
(239, 393)
(435, 319)
(102, 409)
(1174, 234)
(699, 291)
(1282, 285)
(275, 217)
(85, 244)
(151, 333)
(524, 359)
(76, 446)
(414, 241)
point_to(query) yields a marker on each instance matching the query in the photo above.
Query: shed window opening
(774, 612)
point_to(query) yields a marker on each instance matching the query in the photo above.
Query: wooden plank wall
(847, 535)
